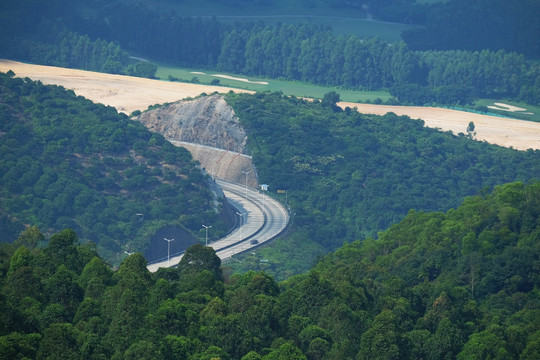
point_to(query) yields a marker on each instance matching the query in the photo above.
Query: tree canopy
(461, 284)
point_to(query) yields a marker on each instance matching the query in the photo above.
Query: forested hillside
(462, 284)
(349, 175)
(67, 162)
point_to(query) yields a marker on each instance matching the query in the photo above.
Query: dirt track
(127, 94)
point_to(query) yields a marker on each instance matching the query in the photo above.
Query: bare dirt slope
(130, 93)
(125, 93)
(207, 120)
(209, 129)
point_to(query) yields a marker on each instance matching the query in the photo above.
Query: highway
(260, 219)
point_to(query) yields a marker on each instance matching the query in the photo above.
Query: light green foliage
(30, 237)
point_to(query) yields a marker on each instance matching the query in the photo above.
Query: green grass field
(287, 87)
(531, 113)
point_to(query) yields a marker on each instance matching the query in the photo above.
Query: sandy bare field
(127, 94)
(519, 134)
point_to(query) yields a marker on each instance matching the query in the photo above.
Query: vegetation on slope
(67, 162)
(436, 286)
(349, 175)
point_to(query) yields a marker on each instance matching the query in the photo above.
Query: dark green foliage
(68, 163)
(142, 69)
(199, 258)
(54, 44)
(472, 25)
(416, 292)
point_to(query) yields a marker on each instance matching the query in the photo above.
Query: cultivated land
(127, 94)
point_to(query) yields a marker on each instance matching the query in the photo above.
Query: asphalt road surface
(260, 218)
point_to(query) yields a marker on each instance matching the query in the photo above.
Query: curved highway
(260, 218)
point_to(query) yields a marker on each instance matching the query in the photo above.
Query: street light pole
(246, 172)
(168, 250)
(206, 228)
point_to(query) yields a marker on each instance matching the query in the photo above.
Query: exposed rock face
(209, 129)
(206, 121)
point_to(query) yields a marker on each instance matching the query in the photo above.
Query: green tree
(252, 355)
(94, 278)
(62, 288)
(486, 344)
(143, 69)
(60, 341)
(19, 346)
(61, 249)
(177, 347)
(140, 350)
(198, 258)
(381, 341)
(331, 99)
(286, 351)
(30, 237)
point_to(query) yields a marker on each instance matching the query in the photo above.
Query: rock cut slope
(209, 129)
(207, 120)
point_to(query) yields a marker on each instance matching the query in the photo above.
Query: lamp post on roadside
(168, 250)
(246, 172)
(206, 228)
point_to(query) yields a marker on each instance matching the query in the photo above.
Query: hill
(67, 162)
(348, 175)
(462, 284)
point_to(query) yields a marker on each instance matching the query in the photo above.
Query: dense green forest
(67, 162)
(456, 277)
(34, 33)
(462, 284)
(414, 73)
(509, 25)
(349, 175)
